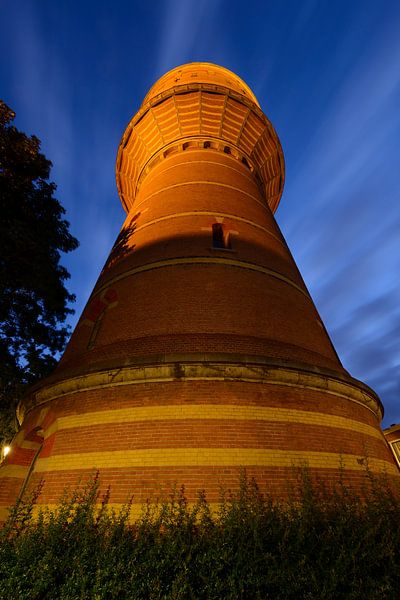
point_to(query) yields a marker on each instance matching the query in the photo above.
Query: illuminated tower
(200, 350)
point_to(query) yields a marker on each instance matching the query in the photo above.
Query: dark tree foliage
(33, 297)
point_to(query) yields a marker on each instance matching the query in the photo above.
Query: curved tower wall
(200, 350)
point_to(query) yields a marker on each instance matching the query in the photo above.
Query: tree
(34, 301)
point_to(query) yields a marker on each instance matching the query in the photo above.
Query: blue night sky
(326, 73)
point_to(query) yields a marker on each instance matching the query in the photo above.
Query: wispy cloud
(42, 89)
(79, 138)
(346, 233)
(186, 24)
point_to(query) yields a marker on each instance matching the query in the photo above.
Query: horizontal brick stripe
(209, 411)
(21, 456)
(225, 393)
(4, 512)
(136, 509)
(175, 457)
(157, 482)
(214, 434)
(220, 164)
(193, 345)
(48, 445)
(201, 182)
(10, 488)
(9, 470)
(216, 372)
(202, 260)
(229, 173)
(210, 214)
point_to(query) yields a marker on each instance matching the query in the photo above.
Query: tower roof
(199, 72)
(200, 103)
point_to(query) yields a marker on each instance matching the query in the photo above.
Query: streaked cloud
(48, 104)
(344, 227)
(187, 32)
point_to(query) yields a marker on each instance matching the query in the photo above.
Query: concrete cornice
(211, 367)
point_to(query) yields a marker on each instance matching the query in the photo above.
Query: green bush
(317, 545)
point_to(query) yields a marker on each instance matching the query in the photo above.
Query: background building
(392, 435)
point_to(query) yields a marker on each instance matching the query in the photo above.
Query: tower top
(199, 72)
(205, 106)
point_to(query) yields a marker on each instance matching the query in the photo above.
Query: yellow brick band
(136, 509)
(4, 512)
(210, 457)
(17, 471)
(209, 411)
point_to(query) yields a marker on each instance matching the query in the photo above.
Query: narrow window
(227, 150)
(207, 145)
(220, 238)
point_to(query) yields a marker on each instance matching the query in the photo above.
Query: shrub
(317, 545)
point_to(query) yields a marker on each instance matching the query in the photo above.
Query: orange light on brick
(200, 350)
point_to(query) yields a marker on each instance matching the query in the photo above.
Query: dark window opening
(207, 145)
(227, 150)
(246, 164)
(220, 238)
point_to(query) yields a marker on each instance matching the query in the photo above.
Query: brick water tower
(200, 350)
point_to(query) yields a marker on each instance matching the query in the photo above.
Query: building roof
(200, 72)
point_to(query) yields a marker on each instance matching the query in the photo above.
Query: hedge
(318, 544)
